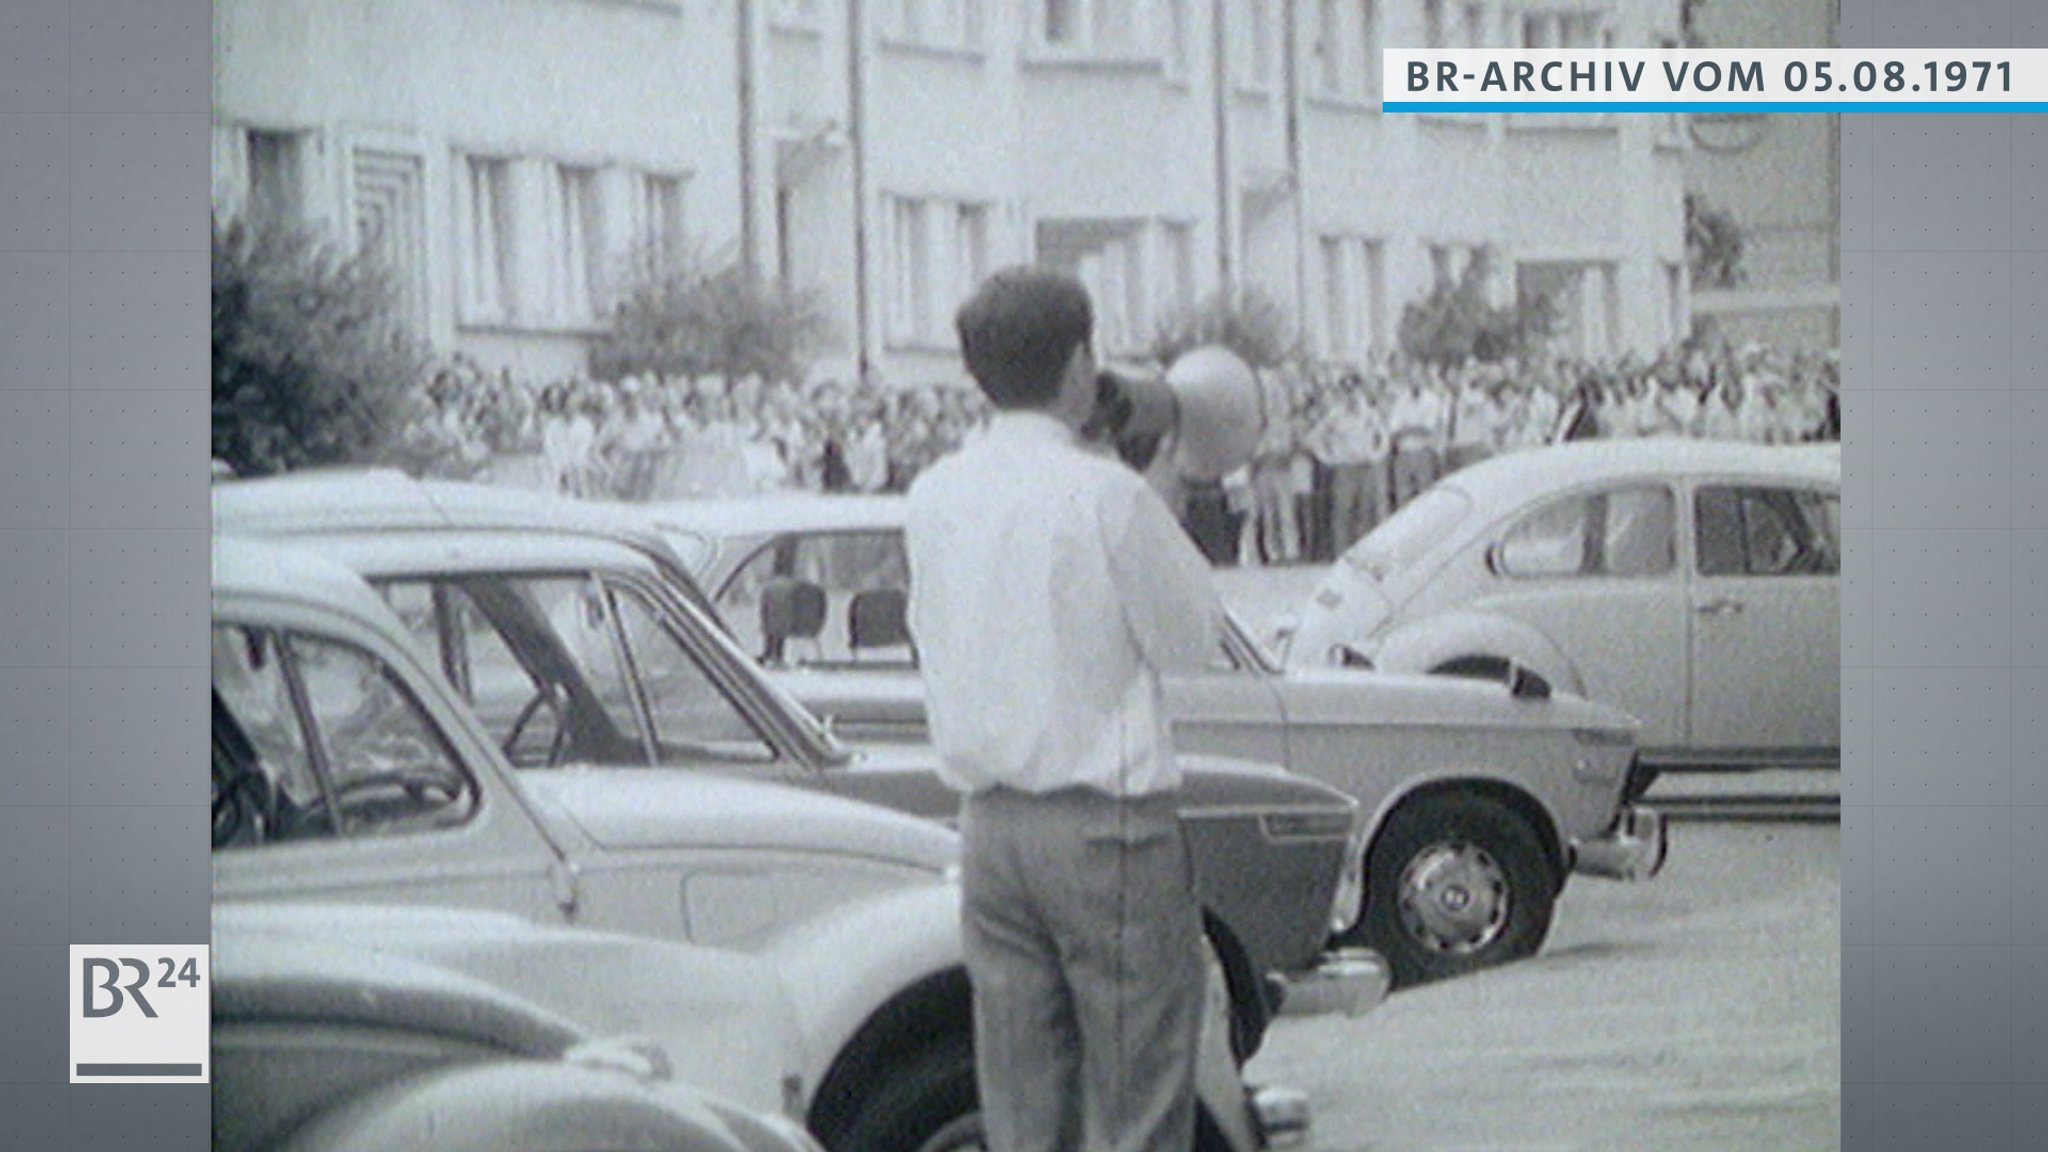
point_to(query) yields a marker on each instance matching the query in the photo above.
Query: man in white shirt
(1050, 588)
(1416, 426)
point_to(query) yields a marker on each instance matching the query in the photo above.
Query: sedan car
(1693, 585)
(1480, 800)
(345, 771)
(578, 647)
(338, 1029)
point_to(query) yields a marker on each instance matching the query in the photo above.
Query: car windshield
(1404, 537)
(575, 668)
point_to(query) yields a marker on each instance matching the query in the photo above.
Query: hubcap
(1454, 898)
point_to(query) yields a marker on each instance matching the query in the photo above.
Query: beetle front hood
(1323, 695)
(648, 809)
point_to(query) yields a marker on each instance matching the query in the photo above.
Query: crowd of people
(646, 438)
(1345, 444)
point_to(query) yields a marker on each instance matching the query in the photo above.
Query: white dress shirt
(1050, 586)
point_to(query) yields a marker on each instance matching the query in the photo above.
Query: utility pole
(1226, 203)
(857, 146)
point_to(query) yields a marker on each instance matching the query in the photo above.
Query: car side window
(692, 715)
(1759, 531)
(1628, 532)
(318, 738)
(262, 759)
(387, 765)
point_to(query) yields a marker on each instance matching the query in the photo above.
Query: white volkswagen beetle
(1693, 585)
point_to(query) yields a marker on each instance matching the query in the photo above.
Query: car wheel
(928, 1105)
(932, 1106)
(1455, 884)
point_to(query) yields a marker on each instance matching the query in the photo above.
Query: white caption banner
(1771, 80)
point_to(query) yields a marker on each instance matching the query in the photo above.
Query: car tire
(1455, 884)
(928, 1105)
(932, 1105)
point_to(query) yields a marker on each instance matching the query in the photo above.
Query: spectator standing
(1352, 440)
(1416, 426)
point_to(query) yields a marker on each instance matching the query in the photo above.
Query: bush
(1455, 322)
(1247, 322)
(312, 360)
(681, 318)
(1713, 244)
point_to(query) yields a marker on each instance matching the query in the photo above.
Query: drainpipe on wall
(750, 253)
(857, 148)
(1226, 202)
(1298, 192)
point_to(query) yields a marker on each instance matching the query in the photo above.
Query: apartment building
(886, 154)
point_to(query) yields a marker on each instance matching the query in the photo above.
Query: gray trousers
(1084, 946)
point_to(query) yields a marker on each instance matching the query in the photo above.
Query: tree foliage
(1246, 321)
(687, 317)
(1456, 322)
(313, 362)
(1713, 244)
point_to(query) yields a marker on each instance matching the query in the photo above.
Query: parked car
(578, 647)
(1480, 800)
(345, 771)
(328, 1037)
(1693, 585)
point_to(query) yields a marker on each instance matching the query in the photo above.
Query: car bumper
(1282, 1116)
(1352, 981)
(1634, 849)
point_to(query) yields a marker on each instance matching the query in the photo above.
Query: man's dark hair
(1018, 332)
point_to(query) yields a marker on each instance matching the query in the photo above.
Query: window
(1353, 291)
(1453, 26)
(1102, 28)
(1565, 30)
(934, 23)
(1627, 532)
(572, 669)
(1767, 532)
(661, 217)
(1253, 45)
(1344, 50)
(911, 302)
(579, 244)
(486, 238)
(387, 190)
(1128, 286)
(314, 738)
(692, 717)
(275, 178)
(938, 251)
(800, 15)
(843, 565)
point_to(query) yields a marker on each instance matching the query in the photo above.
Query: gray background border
(104, 107)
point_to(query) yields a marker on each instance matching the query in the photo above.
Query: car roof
(270, 571)
(1513, 477)
(375, 554)
(389, 500)
(780, 512)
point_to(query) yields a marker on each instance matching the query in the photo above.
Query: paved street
(1699, 1011)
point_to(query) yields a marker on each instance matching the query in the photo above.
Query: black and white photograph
(1017, 575)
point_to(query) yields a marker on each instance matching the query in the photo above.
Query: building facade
(1778, 177)
(506, 155)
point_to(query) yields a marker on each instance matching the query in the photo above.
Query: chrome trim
(1634, 849)
(1282, 1116)
(1351, 981)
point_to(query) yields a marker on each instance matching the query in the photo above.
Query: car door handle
(1720, 608)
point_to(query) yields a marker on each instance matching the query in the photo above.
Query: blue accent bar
(1697, 106)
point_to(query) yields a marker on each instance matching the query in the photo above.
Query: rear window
(1406, 536)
